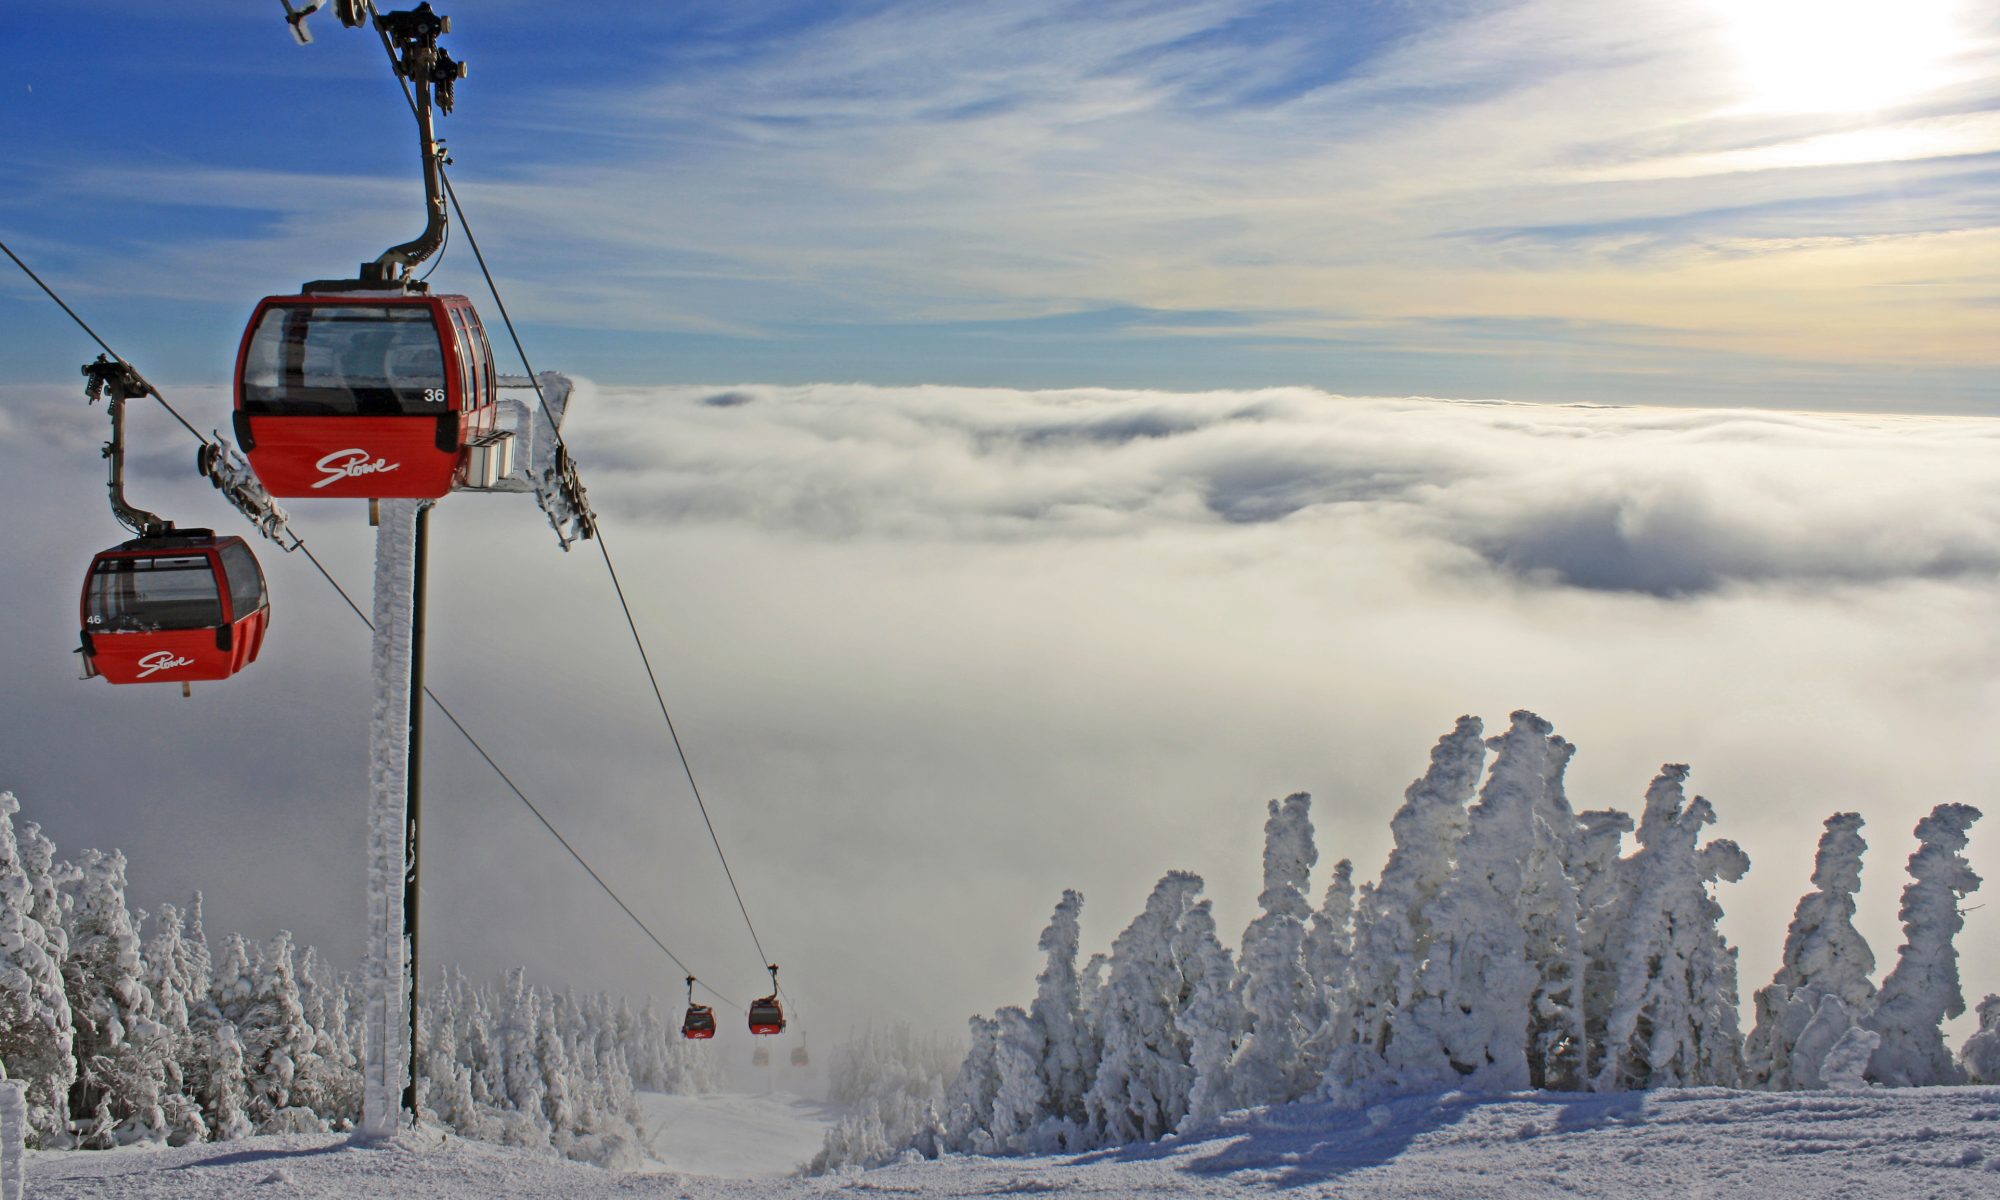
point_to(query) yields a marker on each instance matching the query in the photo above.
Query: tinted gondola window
(130, 595)
(246, 580)
(344, 360)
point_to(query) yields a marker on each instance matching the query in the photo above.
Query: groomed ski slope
(1934, 1144)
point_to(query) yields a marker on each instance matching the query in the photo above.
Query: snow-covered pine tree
(36, 1034)
(329, 1080)
(649, 1065)
(1980, 1056)
(1329, 950)
(521, 1070)
(968, 1102)
(1477, 985)
(1824, 956)
(233, 982)
(890, 1087)
(558, 1089)
(277, 1042)
(1212, 1017)
(1923, 989)
(1603, 903)
(167, 978)
(1090, 996)
(1020, 1102)
(1552, 916)
(1143, 1078)
(226, 1091)
(1673, 1018)
(48, 879)
(1070, 1058)
(1392, 934)
(447, 1082)
(120, 1049)
(1279, 998)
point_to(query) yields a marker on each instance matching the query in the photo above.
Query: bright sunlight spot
(1798, 56)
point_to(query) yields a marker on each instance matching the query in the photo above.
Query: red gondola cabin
(368, 393)
(767, 1016)
(178, 607)
(699, 1022)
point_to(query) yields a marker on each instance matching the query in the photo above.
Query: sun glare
(1804, 56)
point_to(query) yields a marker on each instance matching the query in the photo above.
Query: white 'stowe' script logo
(162, 660)
(351, 464)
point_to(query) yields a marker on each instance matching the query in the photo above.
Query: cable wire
(617, 585)
(300, 544)
(597, 530)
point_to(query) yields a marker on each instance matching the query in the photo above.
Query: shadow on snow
(1299, 1145)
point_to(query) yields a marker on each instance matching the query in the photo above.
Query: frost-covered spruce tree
(968, 1102)
(1143, 1079)
(277, 1042)
(447, 1081)
(36, 1035)
(225, 1091)
(1923, 989)
(1980, 1056)
(1603, 908)
(1673, 1018)
(889, 1084)
(521, 1070)
(1329, 949)
(1552, 917)
(558, 1089)
(1279, 998)
(1020, 1101)
(1213, 1016)
(1824, 956)
(120, 1049)
(1477, 985)
(232, 983)
(650, 1067)
(329, 1080)
(1070, 1055)
(168, 978)
(1392, 934)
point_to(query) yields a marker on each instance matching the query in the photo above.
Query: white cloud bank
(1669, 502)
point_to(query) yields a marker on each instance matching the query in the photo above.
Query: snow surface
(764, 1136)
(1941, 1143)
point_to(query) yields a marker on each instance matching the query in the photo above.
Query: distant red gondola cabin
(368, 393)
(767, 1016)
(179, 607)
(699, 1022)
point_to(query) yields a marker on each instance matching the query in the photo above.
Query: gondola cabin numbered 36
(364, 393)
(178, 607)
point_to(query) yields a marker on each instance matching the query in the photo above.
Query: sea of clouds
(937, 653)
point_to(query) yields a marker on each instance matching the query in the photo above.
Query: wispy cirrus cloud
(778, 186)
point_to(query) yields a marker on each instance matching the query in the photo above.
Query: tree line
(1509, 943)
(125, 1027)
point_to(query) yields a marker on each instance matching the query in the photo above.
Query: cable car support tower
(526, 456)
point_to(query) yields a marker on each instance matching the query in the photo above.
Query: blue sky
(1762, 202)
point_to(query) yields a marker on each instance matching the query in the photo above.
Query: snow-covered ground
(1941, 1143)
(763, 1136)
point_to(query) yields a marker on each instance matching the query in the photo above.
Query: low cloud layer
(1662, 502)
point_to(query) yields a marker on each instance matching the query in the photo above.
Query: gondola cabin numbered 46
(376, 393)
(178, 607)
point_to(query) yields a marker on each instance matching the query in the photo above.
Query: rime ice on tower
(386, 1069)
